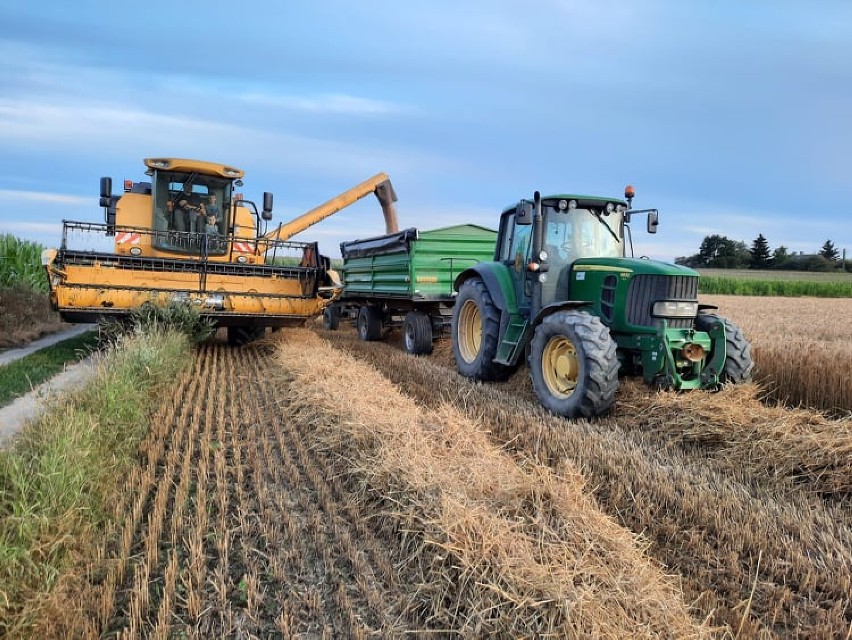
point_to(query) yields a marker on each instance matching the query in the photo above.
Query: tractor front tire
(573, 365)
(476, 333)
(417, 333)
(738, 362)
(369, 323)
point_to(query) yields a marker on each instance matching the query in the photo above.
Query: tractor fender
(497, 279)
(564, 305)
(500, 284)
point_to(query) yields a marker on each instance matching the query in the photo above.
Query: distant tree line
(720, 252)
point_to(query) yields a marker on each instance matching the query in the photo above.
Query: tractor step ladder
(514, 337)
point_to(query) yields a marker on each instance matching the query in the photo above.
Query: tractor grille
(645, 290)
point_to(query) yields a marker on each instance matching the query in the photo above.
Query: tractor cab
(543, 248)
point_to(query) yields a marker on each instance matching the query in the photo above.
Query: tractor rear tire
(573, 365)
(738, 361)
(476, 333)
(241, 335)
(370, 324)
(417, 333)
(331, 318)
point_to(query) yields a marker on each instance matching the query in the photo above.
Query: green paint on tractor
(562, 292)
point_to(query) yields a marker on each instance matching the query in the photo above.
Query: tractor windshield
(582, 233)
(190, 212)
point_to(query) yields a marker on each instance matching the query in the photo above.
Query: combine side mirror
(653, 221)
(106, 191)
(267, 206)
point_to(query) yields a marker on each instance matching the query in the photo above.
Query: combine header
(188, 236)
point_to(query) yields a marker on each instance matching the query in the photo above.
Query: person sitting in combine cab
(163, 219)
(188, 210)
(211, 208)
(211, 233)
(212, 225)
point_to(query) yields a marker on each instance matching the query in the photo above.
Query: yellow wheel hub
(469, 331)
(560, 367)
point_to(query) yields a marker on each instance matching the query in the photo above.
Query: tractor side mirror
(524, 213)
(653, 221)
(106, 191)
(267, 206)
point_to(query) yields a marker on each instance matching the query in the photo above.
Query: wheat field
(315, 486)
(801, 347)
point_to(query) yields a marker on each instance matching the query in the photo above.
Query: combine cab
(188, 236)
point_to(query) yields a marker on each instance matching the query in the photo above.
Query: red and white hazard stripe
(243, 247)
(127, 237)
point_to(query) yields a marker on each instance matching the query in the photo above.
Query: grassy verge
(19, 377)
(57, 478)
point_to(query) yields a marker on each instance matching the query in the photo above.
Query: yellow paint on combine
(223, 265)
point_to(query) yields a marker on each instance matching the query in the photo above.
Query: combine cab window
(191, 213)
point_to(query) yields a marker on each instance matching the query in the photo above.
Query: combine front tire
(476, 333)
(738, 363)
(417, 333)
(238, 336)
(331, 318)
(573, 365)
(370, 323)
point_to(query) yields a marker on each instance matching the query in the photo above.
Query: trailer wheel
(573, 365)
(738, 362)
(370, 323)
(476, 333)
(417, 333)
(240, 335)
(331, 318)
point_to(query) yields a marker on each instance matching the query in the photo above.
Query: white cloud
(338, 104)
(11, 196)
(124, 129)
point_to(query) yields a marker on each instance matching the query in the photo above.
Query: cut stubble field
(314, 486)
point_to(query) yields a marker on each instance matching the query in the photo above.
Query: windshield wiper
(608, 228)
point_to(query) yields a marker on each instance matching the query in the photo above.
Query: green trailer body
(406, 279)
(412, 264)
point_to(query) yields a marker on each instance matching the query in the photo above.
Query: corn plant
(20, 264)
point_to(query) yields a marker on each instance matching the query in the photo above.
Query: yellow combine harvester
(187, 235)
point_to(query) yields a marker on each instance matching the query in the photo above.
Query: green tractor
(562, 292)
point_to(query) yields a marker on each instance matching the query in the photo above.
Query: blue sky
(732, 117)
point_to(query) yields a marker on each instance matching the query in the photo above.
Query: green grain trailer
(406, 279)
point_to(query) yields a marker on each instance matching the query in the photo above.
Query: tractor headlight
(542, 255)
(542, 277)
(674, 309)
